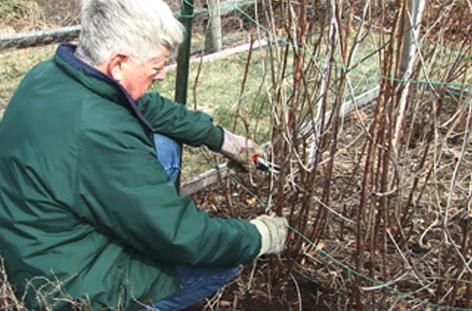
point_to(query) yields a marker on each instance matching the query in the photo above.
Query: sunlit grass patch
(15, 64)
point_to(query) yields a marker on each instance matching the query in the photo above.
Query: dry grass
(8, 300)
(12, 70)
(49, 299)
(20, 15)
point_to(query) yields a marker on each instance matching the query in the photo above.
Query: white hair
(138, 28)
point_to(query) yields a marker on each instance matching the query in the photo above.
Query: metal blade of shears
(264, 165)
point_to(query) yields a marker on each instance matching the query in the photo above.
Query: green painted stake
(183, 61)
(183, 58)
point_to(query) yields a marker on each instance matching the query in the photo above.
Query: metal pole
(183, 60)
(183, 57)
(413, 23)
(415, 9)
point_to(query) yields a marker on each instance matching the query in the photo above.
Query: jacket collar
(96, 80)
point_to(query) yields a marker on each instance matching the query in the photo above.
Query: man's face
(137, 77)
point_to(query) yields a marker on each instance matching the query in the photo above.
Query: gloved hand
(240, 149)
(273, 231)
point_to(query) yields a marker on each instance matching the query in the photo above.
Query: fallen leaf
(359, 115)
(319, 246)
(251, 201)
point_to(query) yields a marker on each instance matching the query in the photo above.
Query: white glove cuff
(265, 235)
(230, 147)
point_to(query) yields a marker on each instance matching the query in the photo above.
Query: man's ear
(115, 66)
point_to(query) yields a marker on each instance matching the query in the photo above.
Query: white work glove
(240, 149)
(273, 231)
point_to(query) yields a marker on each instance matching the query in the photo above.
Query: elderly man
(87, 212)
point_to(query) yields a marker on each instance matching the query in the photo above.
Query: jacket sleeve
(176, 121)
(125, 194)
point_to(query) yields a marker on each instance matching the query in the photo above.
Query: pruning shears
(264, 165)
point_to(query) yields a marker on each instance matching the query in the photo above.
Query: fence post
(214, 33)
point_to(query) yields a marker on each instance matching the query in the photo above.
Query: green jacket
(83, 200)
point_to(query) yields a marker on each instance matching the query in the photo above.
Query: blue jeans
(197, 283)
(169, 154)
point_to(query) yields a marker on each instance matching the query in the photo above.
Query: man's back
(43, 221)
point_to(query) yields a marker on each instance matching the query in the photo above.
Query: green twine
(180, 15)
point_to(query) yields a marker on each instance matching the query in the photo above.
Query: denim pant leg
(197, 283)
(169, 154)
